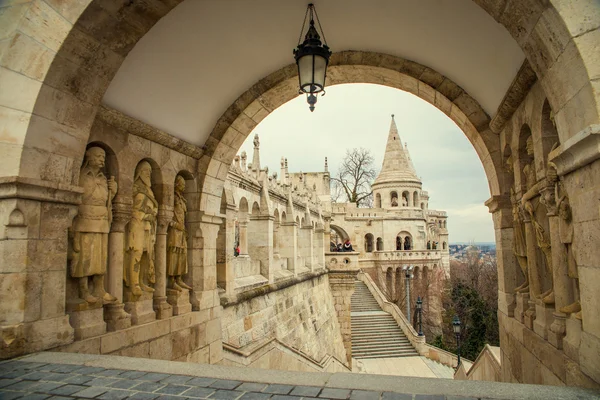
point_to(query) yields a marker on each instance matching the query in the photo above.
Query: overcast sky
(359, 115)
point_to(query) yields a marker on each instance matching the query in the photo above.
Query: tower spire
(397, 166)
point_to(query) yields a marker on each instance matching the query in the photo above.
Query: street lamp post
(407, 275)
(456, 328)
(420, 315)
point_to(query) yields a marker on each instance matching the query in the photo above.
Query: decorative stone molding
(514, 96)
(135, 127)
(581, 149)
(34, 189)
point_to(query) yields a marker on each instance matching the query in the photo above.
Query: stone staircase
(375, 333)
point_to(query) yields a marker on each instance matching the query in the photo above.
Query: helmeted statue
(177, 264)
(141, 235)
(91, 228)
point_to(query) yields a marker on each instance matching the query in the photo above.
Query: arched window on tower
(405, 199)
(394, 199)
(379, 244)
(377, 200)
(368, 243)
(444, 245)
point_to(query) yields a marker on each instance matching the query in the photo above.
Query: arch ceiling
(218, 49)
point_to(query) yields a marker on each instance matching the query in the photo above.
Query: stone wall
(546, 230)
(301, 316)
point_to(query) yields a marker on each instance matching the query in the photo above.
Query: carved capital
(121, 214)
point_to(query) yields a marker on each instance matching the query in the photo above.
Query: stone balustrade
(405, 255)
(342, 261)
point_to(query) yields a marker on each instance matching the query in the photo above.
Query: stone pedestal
(142, 310)
(573, 338)
(529, 316)
(544, 316)
(522, 306)
(88, 323)
(116, 318)
(162, 308)
(179, 301)
(557, 330)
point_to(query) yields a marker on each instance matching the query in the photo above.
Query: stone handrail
(417, 341)
(249, 354)
(487, 367)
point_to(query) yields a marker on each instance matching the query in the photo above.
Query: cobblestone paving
(37, 381)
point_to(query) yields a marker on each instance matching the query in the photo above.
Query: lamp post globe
(456, 328)
(312, 58)
(456, 325)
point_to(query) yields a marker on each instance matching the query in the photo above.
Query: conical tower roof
(397, 166)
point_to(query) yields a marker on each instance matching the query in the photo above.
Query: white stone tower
(397, 185)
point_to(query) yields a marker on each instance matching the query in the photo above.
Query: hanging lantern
(312, 58)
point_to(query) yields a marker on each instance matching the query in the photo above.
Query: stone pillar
(114, 314)
(243, 238)
(260, 243)
(290, 248)
(509, 272)
(307, 238)
(342, 288)
(321, 240)
(162, 308)
(33, 244)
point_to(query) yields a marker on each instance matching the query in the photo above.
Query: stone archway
(60, 58)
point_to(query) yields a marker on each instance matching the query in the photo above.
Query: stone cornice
(35, 189)
(579, 150)
(514, 96)
(135, 127)
(496, 203)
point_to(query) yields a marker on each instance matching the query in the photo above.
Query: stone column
(114, 314)
(342, 288)
(535, 282)
(509, 272)
(162, 308)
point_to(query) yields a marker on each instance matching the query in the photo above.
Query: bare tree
(354, 177)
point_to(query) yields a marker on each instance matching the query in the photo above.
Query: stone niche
(137, 280)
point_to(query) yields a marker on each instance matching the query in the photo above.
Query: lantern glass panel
(320, 69)
(305, 69)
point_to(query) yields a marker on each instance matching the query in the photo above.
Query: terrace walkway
(65, 376)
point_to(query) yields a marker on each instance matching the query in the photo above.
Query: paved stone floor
(67, 376)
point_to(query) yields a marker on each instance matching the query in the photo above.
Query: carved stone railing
(487, 366)
(253, 353)
(405, 255)
(342, 261)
